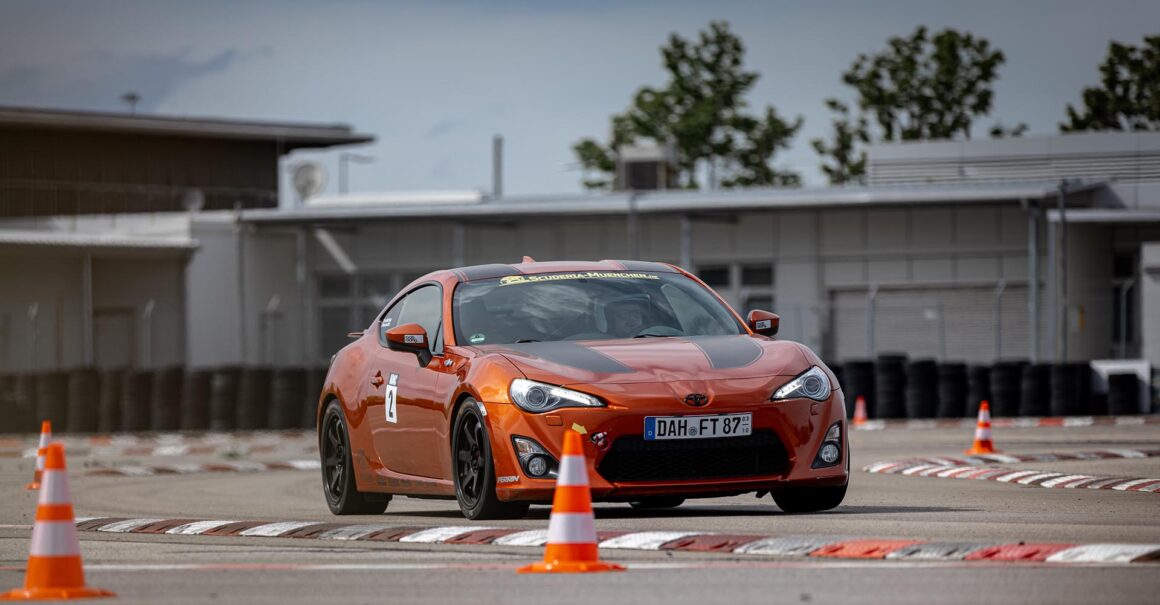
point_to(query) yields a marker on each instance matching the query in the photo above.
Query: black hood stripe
(725, 352)
(570, 354)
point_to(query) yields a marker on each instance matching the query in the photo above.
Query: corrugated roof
(291, 134)
(70, 239)
(672, 202)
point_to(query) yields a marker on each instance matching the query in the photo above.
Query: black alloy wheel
(342, 495)
(474, 471)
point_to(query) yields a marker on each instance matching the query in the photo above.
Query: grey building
(97, 256)
(1044, 248)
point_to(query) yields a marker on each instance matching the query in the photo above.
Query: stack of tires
(890, 386)
(109, 400)
(1070, 389)
(83, 392)
(1006, 387)
(952, 390)
(253, 398)
(286, 390)
(223, 398)
(315, 379)
(978, 388)
(165, 400)
(195, 396)
(1035, 391)
(922, 387)
(1123, 394)
(858, 381)
(136, 400)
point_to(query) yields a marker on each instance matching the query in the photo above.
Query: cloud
(97, 80)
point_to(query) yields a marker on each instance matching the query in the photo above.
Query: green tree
(847, 161)
(1128, 97)
(919, 87)
(701, 111)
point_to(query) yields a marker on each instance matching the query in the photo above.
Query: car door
(401, 395)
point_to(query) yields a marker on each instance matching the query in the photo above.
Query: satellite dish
(193, 200)
(309, 179)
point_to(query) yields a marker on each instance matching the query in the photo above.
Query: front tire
(342, 495)
(809, 499)
(474, 469)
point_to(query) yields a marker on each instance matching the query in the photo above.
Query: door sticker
(390, 396)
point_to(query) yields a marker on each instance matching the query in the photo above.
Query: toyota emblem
(696, 399)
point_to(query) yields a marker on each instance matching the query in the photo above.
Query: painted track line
(979, 468)
(217, 467)
(1010, 423)
(732, 544)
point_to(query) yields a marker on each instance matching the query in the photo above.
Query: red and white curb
(193, 468)
(737, 544)
(166, 444)
(977, 467)
(1009, 423)
(982, 459)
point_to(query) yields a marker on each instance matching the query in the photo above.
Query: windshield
(590, 305)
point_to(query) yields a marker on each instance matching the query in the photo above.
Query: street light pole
(345, 157)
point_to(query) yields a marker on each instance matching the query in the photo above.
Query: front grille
(631, 458)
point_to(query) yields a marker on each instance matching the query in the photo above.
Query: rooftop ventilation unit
(646, 168)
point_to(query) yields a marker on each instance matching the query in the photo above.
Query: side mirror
(763, 322)
(409, 338)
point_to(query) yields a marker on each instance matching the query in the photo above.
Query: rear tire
(338, 484)
(473, 469)
(809, 499)
(657, 503)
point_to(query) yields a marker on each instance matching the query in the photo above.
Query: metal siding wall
(913, 320)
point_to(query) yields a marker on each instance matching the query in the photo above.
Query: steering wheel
(658, 330)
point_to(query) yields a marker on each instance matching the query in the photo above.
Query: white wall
(54, 285)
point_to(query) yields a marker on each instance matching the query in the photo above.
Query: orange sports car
(464, 385)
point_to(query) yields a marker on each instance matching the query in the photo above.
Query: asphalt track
(200, 569)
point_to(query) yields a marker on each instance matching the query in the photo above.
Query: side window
(424, 307)
(391, 319)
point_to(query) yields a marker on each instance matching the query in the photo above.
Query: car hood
(660, 360)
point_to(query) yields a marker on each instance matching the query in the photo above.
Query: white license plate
(697, 427)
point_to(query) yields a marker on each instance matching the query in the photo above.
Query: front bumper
(799, 427)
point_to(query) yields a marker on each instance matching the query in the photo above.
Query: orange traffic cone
(983, 443)
(571, 533)
(45, 438)
(54, 561)
(860, 417)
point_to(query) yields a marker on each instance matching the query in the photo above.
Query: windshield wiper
(653, 336)
(523, 340)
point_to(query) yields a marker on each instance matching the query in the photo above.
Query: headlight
(539, 397)
(811, 384)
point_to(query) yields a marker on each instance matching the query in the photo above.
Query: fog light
(537, 466)
(829, 453)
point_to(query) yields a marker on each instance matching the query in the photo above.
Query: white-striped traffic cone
(45, 439)
(983, 444)
(571, 529)
(54, 560)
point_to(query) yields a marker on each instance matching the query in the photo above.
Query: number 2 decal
(390, 396)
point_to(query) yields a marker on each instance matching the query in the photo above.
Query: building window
(349, 303)
(714, 277)
(756, 275)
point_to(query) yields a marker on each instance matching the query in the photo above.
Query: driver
(626, 316)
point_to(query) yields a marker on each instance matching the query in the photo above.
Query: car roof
(531, 267)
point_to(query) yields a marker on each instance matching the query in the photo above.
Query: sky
(434, 81)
